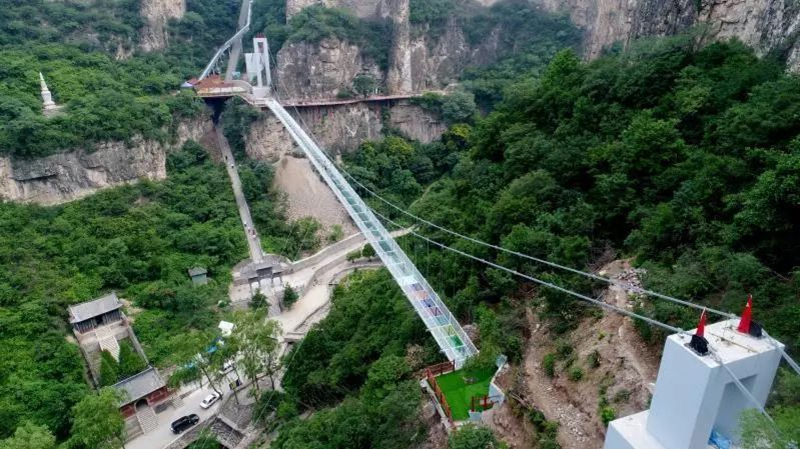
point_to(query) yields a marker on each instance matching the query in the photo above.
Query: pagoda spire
(49, 107)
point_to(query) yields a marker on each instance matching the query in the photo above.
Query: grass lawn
(458, 393)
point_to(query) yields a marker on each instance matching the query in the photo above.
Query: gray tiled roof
(197, 271)
(90, 309)
(140, 385)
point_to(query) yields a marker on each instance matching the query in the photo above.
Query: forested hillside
(108, 96)
(684, 158)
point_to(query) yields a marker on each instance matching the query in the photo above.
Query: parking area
(162, 435)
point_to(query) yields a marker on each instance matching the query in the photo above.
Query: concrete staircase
(108, 342)
(177, 401)
(147, 419)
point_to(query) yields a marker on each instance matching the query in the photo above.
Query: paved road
(163, 435)
(256, 255)
(236, 50)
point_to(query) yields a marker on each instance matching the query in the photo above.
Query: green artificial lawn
(459, 394)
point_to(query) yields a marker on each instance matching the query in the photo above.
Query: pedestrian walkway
(253, 242)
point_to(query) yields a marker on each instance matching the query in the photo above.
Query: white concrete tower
(694, 394)
(257, 63)
(48, 105)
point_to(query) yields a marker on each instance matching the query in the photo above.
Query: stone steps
(147, 419)
(108, 341)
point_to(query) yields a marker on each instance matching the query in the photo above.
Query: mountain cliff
(156, 13)
(419, 49)
(67, 176)
(766, 25)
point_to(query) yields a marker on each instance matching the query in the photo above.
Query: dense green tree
(364, 84)
(96, 421)
(290, 296)
(255, 341)
(473, 437)
(29, 436)
(258, 301)
(109, 369)
(130, 363)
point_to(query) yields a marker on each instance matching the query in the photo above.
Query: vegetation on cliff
(83, 50)
(138, 240)
(684, 158)
(360, 358)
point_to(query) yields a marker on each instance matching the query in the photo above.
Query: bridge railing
(444, 327)
(228, 43)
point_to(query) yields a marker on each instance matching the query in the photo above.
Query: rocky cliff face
(320, 70)
(766, 25)
(417, 60)
(343, 128)
(156, 13)
(68, 176)
(365, 9)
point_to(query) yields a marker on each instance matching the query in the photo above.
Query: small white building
(225, 328)
(694, 394)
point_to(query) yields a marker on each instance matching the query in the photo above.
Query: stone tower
(49, 107)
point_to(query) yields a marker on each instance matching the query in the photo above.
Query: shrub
(336, 234)
(607, 414)
(258, 300)
(368, 252)
(353, 256)
(290, 296)
(593, 359)
(622, 396)
(108, 369)
(537, 418)
(575, 374)
(563, 350)
(549, 364)
(130, 362)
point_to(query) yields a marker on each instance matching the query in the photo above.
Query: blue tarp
(719, 441)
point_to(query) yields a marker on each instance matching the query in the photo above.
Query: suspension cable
(715, 355)
(539, 281)
(636, 289)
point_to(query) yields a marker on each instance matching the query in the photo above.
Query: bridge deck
(445, 329)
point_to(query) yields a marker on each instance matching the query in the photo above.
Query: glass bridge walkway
(451, 338)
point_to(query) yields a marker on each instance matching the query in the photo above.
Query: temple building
(100, 325)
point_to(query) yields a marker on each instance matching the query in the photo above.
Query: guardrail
(229, 42)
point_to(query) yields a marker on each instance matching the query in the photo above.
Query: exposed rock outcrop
(68, 176)
(307, 70)
(156, 13)
(400, 77)
(365, 9)
(417, 60)
(766, 25)
(343, 128)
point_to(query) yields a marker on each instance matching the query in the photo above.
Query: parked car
(210, 400)
(184, 422)
(226, 368)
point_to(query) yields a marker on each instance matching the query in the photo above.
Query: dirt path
(309, 196)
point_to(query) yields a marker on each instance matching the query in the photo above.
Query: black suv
(184, 423)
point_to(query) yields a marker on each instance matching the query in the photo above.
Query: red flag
(747, 315)
(701, 326)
